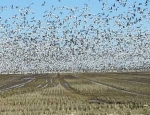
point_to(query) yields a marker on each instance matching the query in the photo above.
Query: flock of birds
(75, 40)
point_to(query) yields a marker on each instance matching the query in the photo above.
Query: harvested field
(77, 93)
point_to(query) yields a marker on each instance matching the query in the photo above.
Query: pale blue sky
(96, 5)
(39, 10)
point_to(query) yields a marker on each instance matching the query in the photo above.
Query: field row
(73, 94)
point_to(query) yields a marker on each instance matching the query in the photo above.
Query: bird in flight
(43, 3)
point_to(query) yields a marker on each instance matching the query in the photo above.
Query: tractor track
(13, 83)
(115, 88)
(91, 98)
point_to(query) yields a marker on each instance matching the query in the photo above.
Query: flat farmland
(75, 94)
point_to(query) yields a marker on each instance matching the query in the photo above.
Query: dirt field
(75, 94)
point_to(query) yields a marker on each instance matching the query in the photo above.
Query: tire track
(136, 80)
(16, 84)
(116, 88)
(92, 98)
(49, 81)
(112, 87)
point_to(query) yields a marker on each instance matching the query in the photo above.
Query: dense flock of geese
(76, 40)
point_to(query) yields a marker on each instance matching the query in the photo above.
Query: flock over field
(73, 60)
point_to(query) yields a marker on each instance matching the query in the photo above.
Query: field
(75, 94)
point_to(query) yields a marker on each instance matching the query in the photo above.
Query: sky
(9, 11)
(96, 7)
(95, 4)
